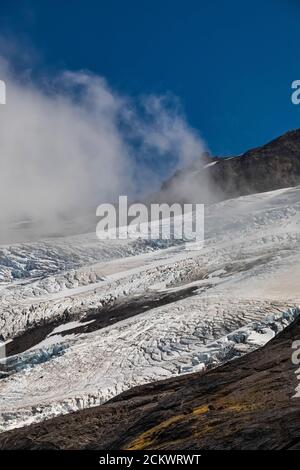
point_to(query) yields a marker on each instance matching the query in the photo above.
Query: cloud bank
(72, 142)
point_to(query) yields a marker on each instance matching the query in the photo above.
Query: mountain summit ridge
(275, 165)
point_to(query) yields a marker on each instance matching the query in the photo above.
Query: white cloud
(73, 143)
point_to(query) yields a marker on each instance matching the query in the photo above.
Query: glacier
(87, 319)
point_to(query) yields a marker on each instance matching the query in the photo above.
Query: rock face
(273, 166)
(248, 403)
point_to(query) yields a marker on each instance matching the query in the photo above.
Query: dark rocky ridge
(245, 404)
(273, 166)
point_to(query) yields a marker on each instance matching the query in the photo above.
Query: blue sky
(231, 63)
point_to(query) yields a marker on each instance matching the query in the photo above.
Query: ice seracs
(232, 295)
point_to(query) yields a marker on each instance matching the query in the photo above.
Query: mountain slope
(151, 316)
(245, 404)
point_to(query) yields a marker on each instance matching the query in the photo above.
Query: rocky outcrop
(248, 403)
(273, 166)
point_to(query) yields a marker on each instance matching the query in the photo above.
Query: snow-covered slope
(96, 318)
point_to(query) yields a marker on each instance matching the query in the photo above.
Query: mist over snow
(70, 142)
